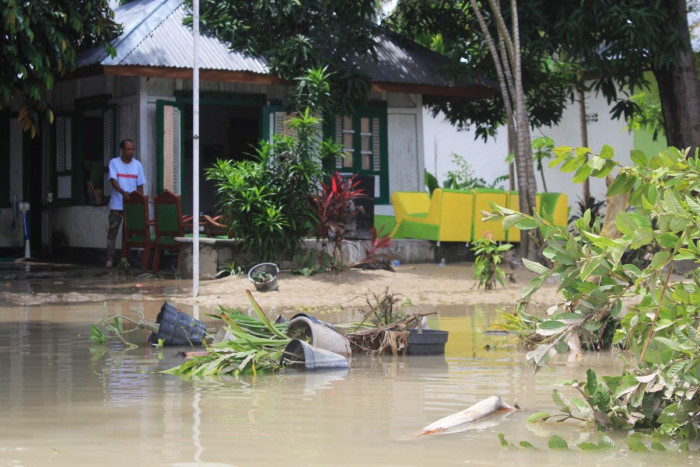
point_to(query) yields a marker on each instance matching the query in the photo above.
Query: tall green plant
(659, 388)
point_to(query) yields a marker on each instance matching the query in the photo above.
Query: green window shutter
(169, 147)
(63, 151)
(275, 122)
(365, 146)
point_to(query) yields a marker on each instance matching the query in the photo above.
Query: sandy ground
(426, 285)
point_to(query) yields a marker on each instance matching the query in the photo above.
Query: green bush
(659, 317)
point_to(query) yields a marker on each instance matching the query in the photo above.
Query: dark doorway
(226, 132)
(93, 159)
(32, 186)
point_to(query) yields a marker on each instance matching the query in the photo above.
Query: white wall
(487, 159)
(83, 226)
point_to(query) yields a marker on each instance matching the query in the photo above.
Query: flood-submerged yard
(68, 402)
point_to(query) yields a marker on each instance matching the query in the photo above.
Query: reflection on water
(69, 403)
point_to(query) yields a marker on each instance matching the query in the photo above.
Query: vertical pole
(195, 158)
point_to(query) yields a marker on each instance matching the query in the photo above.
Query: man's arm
(140, 189)
(116, 186)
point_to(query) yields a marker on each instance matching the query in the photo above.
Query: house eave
(468, 92)
(186, 73)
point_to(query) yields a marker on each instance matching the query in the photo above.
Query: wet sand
(426, 285)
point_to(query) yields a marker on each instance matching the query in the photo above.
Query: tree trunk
(506, 58)
(584, 139)
(678, 85)
(511, 149)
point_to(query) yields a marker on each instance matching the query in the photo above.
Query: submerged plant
(487, 269)
(112, 328)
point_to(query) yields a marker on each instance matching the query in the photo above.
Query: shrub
(658, 389)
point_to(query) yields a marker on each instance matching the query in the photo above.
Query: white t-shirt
(129, 176)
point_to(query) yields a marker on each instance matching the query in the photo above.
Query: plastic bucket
(177, 328)
(299, 353)
(428, 342)
(269, 268)
(302, 327)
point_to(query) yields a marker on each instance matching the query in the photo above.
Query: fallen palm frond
(112, 328)
(256, 344)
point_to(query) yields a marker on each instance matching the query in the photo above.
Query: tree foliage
(602, 45)
(451, 28)
(295, 36)
(41, 42)
(659, 388)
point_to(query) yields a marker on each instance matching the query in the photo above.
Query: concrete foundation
(216, 254)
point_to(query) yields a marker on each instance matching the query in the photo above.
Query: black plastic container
(429, 342)
(177, 328)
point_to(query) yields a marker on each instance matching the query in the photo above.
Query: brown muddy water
(68, 402)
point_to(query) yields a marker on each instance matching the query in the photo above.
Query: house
(145, 93)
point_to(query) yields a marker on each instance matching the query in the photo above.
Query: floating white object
(458, 420)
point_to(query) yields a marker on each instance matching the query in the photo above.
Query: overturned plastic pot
(321, 336)
(177, 328)
(264, 276)
(300, 354)
(428, 342)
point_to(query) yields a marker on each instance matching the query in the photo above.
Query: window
(364, 139)
(84, 141)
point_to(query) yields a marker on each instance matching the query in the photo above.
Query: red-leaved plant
(335, 207)
(373, 259)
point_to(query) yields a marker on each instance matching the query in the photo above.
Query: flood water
(68, 402)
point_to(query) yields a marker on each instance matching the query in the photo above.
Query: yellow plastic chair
(408, 203)
(422, 225)
(456, 216)
(554, 208)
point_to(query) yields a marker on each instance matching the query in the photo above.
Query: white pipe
(27, 248)
(195, 158)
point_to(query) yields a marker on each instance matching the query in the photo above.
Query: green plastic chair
(137, 227)
(170, 223)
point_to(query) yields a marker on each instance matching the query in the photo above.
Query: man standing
(126, 175)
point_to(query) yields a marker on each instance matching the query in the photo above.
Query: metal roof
(154, 36)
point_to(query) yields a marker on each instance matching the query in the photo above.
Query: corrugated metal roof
(153, 35)
(401, 60)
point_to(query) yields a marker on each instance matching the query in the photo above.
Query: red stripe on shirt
(126, 175)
